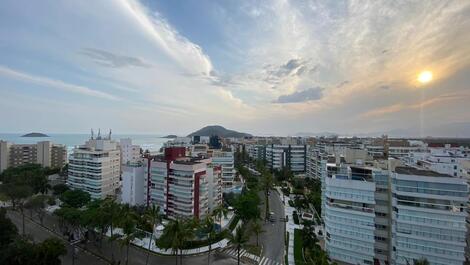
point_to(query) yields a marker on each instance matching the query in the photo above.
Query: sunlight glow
(425, 77)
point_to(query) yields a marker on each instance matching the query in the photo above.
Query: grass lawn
(298, 247)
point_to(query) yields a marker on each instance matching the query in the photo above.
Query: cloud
(58, 84)
(314, 93)
(385, 87)
(112, 60)
(189, 55)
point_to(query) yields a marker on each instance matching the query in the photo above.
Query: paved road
(273, 237)
(136, 255)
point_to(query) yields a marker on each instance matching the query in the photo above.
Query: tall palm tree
(128, 222)
(171, 237)
(238, 240)
(153, 217)
(257, 229)
(267, 184)
(209, 229)
(187, 234)
(111, 211)
(220, 211)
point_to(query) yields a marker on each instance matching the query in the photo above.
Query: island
(35, 134)
(170, 136)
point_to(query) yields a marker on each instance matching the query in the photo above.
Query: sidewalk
(290, 226)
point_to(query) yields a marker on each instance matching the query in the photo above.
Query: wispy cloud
(189, 55)
(314, 93)
(109, 59)
(54, 83)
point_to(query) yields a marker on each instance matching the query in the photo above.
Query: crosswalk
(253, 258)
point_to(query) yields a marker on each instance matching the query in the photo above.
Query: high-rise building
(429, 216)
(95, 167)
(226, 160)
(44, 153)
(292, 157)
(181, 185)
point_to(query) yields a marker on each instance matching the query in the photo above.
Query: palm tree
(187, 234)
(220, 211)
(171, 236)
(238, 240)
(209, 228)
(111, 211)
(153, 217)
(128, 221)
(267, 184)
(257, 229)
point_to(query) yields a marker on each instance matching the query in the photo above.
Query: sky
(273, 67)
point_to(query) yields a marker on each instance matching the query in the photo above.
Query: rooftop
(419, 172)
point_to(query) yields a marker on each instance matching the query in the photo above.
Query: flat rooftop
(420, 172)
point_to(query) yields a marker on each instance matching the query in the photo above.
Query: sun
(425, 77)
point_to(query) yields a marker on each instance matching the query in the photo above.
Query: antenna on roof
(109, 136)
(99, 134)
(92, 133)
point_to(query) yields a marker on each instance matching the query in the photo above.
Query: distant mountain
(219, 131)
(319, 134)
(35, 134)
(170, 136)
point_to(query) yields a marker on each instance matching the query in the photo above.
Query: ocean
(151, 142)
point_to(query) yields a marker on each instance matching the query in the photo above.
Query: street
(93, 254)
(273, 237)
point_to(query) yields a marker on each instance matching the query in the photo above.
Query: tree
(24, 252)
(257, 229)
(75, 198)
(267, 184)
(59, 189)
(8, 230)
(421, 261)
(128, 222)
(49, 251)
(171, 237)
(152, 216)
(18, 194)
(111, 211)
(246, 206)
(219, 212)
(38, 204)
(209, 229)
(238, 240)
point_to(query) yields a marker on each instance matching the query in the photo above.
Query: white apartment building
(429, 217)
(45, 153)
(225, 158)
(95, 167)
(130, 153)
(133, 180)
(183, 187)
(293, 157)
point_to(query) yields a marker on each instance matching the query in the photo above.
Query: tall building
(95, 167)
(429, 216)
(132, 173)
(130, 153)
(292, 157)
(181, 185)
(225, 158)
(44, 153)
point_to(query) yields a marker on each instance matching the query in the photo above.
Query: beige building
(44, 153)
(95, 167)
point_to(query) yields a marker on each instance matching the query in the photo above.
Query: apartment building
(44, 153)
(95, 167)
(429, 216)
(130, 153)
(293, 157)
(357, 214)
(132, 173)
(225, 158)
(182, 185)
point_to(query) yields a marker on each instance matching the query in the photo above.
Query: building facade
(95, 167)
(45, 153)
(292, 157)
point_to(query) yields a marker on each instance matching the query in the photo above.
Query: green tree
(219, 212)
(111, 211)
(238, 240)
(49, 251)
(128, 222)
(75, 198)
(171, 237)
(246, 206)
(421, 261)
(209, 229)
(38, 204)
(59, 189)
(18, 195)
(153, 217)
(8, 230)
(267, 184)
(23, 252)
(257, 228)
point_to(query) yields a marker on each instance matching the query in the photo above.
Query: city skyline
(275, 67)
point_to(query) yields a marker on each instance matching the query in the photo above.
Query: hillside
(219, 131)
